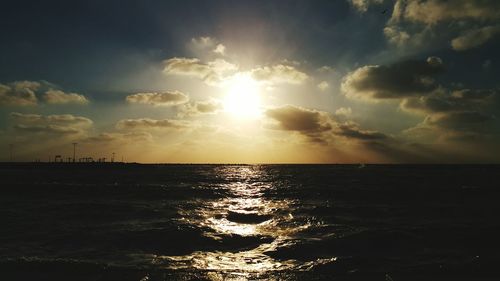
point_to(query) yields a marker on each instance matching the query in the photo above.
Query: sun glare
(242, 96)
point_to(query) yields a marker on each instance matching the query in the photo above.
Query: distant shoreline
(4, 165)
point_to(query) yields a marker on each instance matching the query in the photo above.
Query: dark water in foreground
(257, 222)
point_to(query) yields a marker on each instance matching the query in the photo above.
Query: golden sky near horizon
(251, 83)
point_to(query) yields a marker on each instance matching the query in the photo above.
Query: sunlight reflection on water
(246, 212)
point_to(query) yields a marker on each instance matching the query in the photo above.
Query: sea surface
(249, 222)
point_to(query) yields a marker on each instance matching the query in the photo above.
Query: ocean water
(249, 222)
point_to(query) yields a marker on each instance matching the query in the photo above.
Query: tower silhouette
(74, 151)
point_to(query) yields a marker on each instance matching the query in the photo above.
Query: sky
(344, 81)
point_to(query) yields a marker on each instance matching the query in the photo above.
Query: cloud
(474, 37)
(187, 66)
(292, 118)
(458, 120)
(130, 137)
(279, 73)
(351, 130)
(169, 98)
(432, 12)
(147, 123)
(211, 72)
(323, 86)
(220, 49)
(460, 115)
(325, 69)
(343, 111)
(60, 97)
(403, 79)
(319, 126)
(448, 114)
(416, 22)
(20, 93)
(200, 107)
(24, 93)
(362, 5)
(396, 36)
(207, 47)
(203, 42)
(444, 101)
(453, 126)
(474, 94)
(52, 124)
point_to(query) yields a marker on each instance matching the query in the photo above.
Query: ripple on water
(246, 212)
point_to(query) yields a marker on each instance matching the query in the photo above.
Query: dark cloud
(292, 118)
(319, 126)
(444, 101)
(20, 93)
(475, 95)
(474, 38)
(460, 113)
(352, 131)
(458, 120)
(25, 93)
(399, 80)
(447, 112)
(428, 104)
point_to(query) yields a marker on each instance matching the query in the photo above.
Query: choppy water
(249, 222)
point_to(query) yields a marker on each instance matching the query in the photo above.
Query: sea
(117, 221)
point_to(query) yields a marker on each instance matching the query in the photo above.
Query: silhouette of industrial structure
(59, 158)
(74, 151)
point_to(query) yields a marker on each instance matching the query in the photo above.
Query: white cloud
(168, 98)
(325, 69)
(204, 41)
(211, 72)
(200, 107)
(362, 5)
(207, 47)
(343, 111)
(323, 86)
(396, 36)
(60, 97)
(220, 49)
(279, 73)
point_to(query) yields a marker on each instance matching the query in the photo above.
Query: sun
(242, 97)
